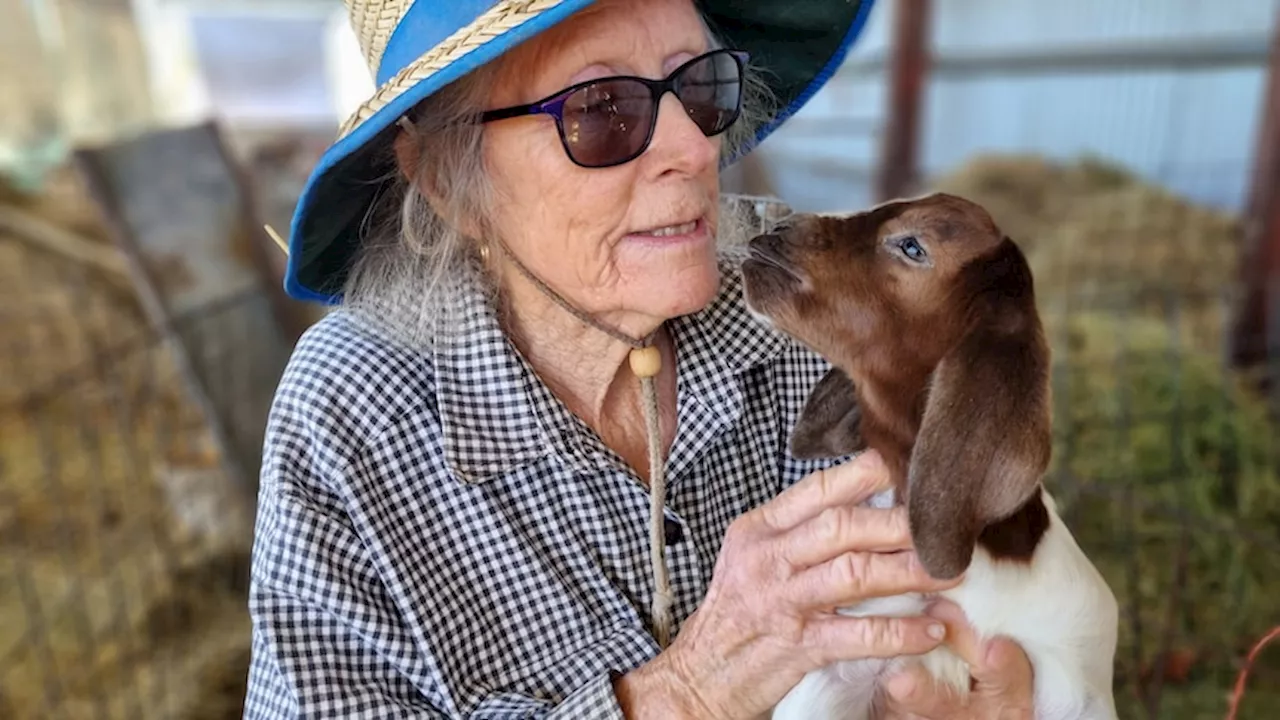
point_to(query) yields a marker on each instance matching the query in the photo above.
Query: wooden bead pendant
(646, 361)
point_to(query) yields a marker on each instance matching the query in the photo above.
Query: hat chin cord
(646, 363)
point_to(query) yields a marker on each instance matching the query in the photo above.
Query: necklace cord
(646, 363)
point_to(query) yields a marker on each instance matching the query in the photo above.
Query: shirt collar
(496, 416)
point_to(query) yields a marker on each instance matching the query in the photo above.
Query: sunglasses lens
(711, 91)
(607, 122)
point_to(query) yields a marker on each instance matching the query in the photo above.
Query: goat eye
(911, 248)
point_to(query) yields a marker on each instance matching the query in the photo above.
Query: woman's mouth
(670, 230)
(668, 234)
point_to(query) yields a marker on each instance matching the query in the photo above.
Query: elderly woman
(538, 354)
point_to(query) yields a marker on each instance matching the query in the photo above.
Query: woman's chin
(685, 290)
(669, 283)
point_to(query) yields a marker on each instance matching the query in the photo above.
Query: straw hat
(414, 48)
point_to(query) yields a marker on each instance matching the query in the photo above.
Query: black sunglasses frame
(553, 105)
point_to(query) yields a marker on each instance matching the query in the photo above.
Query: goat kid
(926, 312)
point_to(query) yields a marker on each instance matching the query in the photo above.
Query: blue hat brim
(800, 45)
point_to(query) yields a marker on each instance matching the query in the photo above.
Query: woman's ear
(985, 438)
(406, 150)
(408, 153)
(830, 423)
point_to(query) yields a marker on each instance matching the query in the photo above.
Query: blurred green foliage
(1165, 466)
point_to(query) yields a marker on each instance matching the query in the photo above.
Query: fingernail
(936, 631)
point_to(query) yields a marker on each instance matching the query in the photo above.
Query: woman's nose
(677, 143)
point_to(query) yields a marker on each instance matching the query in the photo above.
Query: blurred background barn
(1133, 149)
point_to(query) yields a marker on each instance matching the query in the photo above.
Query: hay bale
(121, 584)
(1029, 195)
(1142, 240)
(62, 201)
(1094, 232)
(64, 316)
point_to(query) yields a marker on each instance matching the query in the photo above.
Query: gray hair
(411, 254)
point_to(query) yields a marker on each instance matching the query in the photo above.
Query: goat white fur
(1058, 608)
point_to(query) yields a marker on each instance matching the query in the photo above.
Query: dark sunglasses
(610, 121)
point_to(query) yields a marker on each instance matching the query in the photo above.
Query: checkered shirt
(439, 537)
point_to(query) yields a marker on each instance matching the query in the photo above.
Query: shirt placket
(684, 566)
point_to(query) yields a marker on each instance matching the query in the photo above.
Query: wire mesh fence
(1167, 469)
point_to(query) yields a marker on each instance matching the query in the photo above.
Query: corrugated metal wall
(1170, 88)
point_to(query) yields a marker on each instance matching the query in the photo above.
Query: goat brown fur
(927, 313)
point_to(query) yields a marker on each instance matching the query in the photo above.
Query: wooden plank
(178, 208)
(1228, 52)
(909, 58)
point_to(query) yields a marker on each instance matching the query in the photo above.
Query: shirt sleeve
(594, 701)
(325, 635)
(328, 641)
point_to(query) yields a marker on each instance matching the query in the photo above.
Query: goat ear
(830, 423)
(985, 437)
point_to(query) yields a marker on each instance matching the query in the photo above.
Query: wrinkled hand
(768, 615)
(1002, 679)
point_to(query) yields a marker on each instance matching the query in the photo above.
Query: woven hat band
(373, 22)
(499, 18)
(423, 26)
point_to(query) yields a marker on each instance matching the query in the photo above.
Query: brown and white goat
(927, 313)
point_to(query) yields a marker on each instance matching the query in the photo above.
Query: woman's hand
(768, 618)
(1002, 675)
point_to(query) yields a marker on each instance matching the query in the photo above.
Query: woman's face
(590, 233)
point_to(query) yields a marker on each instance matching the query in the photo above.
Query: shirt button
(672, 531)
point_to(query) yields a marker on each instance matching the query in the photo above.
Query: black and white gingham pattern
(438, 537)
